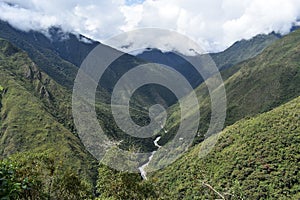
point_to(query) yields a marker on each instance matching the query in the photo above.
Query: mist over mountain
(238, 52)
(214, 25)
(255, 155)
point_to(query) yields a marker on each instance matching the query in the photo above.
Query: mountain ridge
(236, 53)
(250, 160)
(253, 86)
(33, 118)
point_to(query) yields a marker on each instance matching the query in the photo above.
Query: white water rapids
(143, 167)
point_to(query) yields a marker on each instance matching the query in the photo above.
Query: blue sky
(133, 2)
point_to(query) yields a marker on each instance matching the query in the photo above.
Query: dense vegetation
(41, 176)
(35, 113)
(43, 52)
(256, 158)
(238, 52)
(243, 50)
(253, 86)
(113, 184)
(41, 156)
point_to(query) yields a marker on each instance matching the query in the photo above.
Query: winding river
(143, 167)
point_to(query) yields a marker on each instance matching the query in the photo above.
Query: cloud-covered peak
(214, 24)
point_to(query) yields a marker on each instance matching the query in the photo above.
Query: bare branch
(211, 188)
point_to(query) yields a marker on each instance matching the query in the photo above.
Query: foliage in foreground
(40, 176)
(113, 184)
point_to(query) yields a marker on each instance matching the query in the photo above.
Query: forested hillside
(42, 156)
(256, 158)
(254, 86)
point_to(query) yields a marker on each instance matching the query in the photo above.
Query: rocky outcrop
(36, 76)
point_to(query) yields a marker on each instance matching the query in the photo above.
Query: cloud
(96, 19)
(135, 42)
(214, 24)
(217, 24)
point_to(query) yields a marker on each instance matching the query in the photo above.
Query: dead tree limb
(214, 190)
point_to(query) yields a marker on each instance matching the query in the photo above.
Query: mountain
(52, 54)
(255, 158)
(238, 52)
(59, 54)
(254, 86)
(243, 50)
(36, 114)
(42, 51)
(174, 60)
(68, 46)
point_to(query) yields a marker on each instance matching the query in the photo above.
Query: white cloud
(215, 24)
(96, 19)
(259, 18)
(133, 15)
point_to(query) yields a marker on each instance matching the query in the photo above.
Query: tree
(113, 184)
(40, 176)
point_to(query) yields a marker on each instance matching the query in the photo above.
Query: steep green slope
(60, 54)
(35, 113)
(268, 80)
(48, 53)
(34, 44)
(56, 100)
(254, 86)
(243, 50)
(238, 52)
(257, 158)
